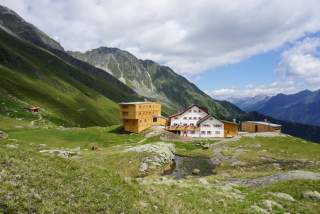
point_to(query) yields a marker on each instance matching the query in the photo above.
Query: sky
(227, 48)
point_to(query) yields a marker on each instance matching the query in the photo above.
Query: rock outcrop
(64, 153)
(3, 135)
(161, 154)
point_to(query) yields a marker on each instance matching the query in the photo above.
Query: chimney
(234, 120)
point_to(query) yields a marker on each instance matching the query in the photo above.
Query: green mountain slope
(152, 80)
(37, 77)
(35, 70)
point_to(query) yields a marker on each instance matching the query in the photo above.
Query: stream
(183, 166)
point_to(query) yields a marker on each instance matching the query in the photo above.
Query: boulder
(3, 135)
(160, 154)
(12, 146)
(314, 195)
(203, 181)
(269, 205)
(64, 153)
(196, 171)
(284, 196)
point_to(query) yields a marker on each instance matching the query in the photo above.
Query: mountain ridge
(152, 80)
(301, 107)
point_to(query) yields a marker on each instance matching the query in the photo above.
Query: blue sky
(258, 70)
(227, 48)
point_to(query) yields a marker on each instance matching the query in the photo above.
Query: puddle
(183, 166)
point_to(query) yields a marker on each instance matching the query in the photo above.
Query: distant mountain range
(302, 107)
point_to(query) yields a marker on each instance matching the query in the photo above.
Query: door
(256, 128)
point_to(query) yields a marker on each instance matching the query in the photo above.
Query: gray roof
(264, 123)
(134, 103)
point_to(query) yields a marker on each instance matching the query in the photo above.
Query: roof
(157, 116)
(264, 123)
(205, 118)
(181, 112)
(135, 103)
(225, 121)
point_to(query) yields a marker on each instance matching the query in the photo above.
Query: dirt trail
(284, 176)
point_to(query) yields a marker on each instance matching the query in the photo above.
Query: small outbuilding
(230, 129)
(33, 109)
(259, 126)
(160, 121)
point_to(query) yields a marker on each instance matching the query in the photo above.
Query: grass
(104, 181)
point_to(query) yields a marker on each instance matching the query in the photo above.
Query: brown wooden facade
(138, 116)
(257, 126)
(230, 129)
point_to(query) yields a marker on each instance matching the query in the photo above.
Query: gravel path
(285, 176)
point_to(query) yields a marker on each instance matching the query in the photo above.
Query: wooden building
(138, 116)
(160, 121)
(259, 126)
(230, 129)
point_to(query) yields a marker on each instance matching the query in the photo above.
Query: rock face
(161, 154)
(314, 195)
(152, 80)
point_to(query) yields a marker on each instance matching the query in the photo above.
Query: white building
(195, 121)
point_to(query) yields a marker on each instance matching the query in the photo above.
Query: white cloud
(190, 36)
(252, 91)
(299, 68)
(301, 63)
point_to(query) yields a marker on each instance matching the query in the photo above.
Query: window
(199, 110)
(208, 132)
(125, 113)
(217, 132)
(155, 119)
(190, 110)
(194, 111)
(203, 132)
(175, 124)
(217, 126)
(192, 132)
(211, 118)
(190, 118)
(185, 118)
(195, 118)
(176, 118)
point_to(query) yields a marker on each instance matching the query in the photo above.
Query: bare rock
(258, 210)
(3, 135)
(283, 196)
(161, 154)
(64, 153)
(196, 171)
(269, 205)
(12, 146)
(314, 195)
(203, 181)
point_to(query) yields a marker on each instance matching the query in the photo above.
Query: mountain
(163, 86)
(154, 81)
(34, 70)
(302, 107)
(249, 103)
